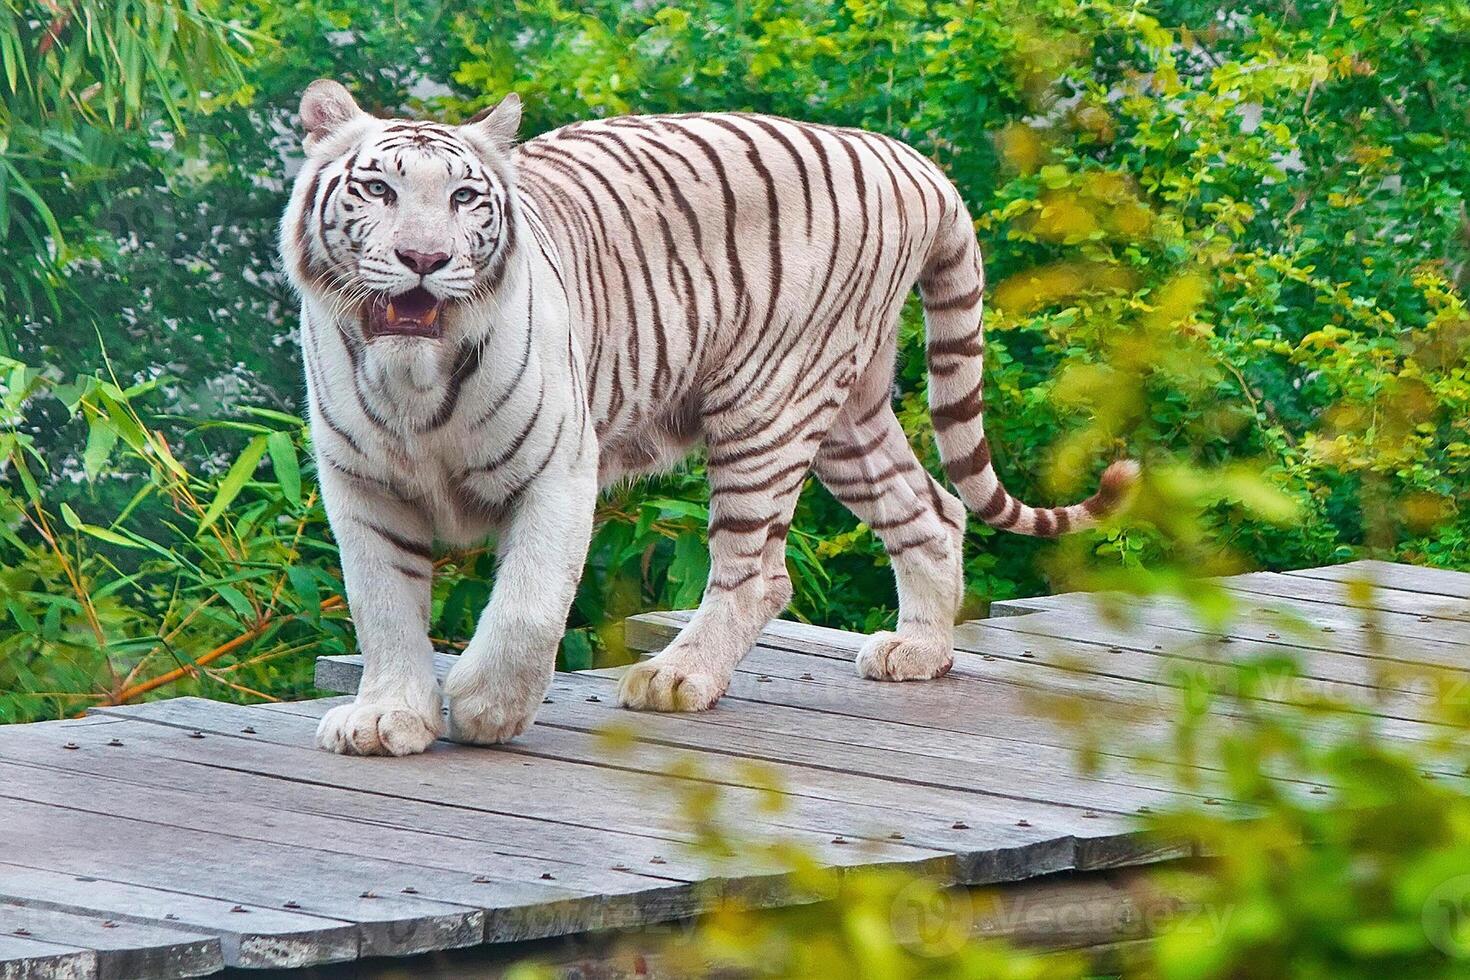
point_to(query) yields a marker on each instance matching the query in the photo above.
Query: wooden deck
(178, 837)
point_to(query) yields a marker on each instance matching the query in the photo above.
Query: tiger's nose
(423, 262)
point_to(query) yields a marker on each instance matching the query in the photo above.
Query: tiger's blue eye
(377, 188)
(465, 195)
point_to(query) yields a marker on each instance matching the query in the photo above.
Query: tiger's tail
(952, 284)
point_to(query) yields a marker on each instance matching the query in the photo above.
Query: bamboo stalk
(254, 633)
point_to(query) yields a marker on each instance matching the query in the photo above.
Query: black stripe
(406, 545)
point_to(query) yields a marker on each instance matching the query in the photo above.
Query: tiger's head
(393, 222)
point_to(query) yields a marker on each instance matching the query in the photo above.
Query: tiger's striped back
(725, 267)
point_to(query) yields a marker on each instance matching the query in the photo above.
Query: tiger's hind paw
(893, 657)
(666, 685)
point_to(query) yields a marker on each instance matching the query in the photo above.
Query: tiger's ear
(325, 107)
(500, 122)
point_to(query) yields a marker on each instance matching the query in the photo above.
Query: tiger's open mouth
(411, 314)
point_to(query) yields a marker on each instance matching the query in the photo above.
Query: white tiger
(491, 332)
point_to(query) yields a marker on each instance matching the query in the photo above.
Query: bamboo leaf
(283, 461)
(101, 438)
(234, 481)
(237, 601)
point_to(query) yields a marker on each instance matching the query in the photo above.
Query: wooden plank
(424, 855)
(258, 937)
(1169, 643)
(1017, 700)
(30, 959)
(125, 950)
(1140, 705)
(1263, 623)
(563, 793)
(1069, 641)
(1391, 575)
(518, 847)
(1299, 613)
(984, 840)
(1336, 593)
(1047, 797)
(899, 753)
(1003, 715)
(137, 852)
(914, 752)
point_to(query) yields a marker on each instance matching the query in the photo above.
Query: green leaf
(101, 438)
(100, 533)
(22, 616)
(283, 461)
(303, 583)
(237, 601)
(576, 650)
(234, 482)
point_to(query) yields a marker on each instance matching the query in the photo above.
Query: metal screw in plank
(959, 825)
(292, 904)
(196, 734)
(71, 746)
(115, 743)
(547, 876)
(1023, 822)
(247, 730)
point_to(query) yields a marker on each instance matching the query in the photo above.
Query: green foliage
(85, 85)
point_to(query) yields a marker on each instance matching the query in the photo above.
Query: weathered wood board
(174, 838)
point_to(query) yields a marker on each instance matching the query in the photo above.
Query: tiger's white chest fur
(456, 427)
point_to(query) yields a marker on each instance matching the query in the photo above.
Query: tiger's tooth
(391, 315)
(431, 316)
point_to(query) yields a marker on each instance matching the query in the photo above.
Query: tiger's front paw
(488, 705)
(666, 684)
(893, 657)
(379, 728)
